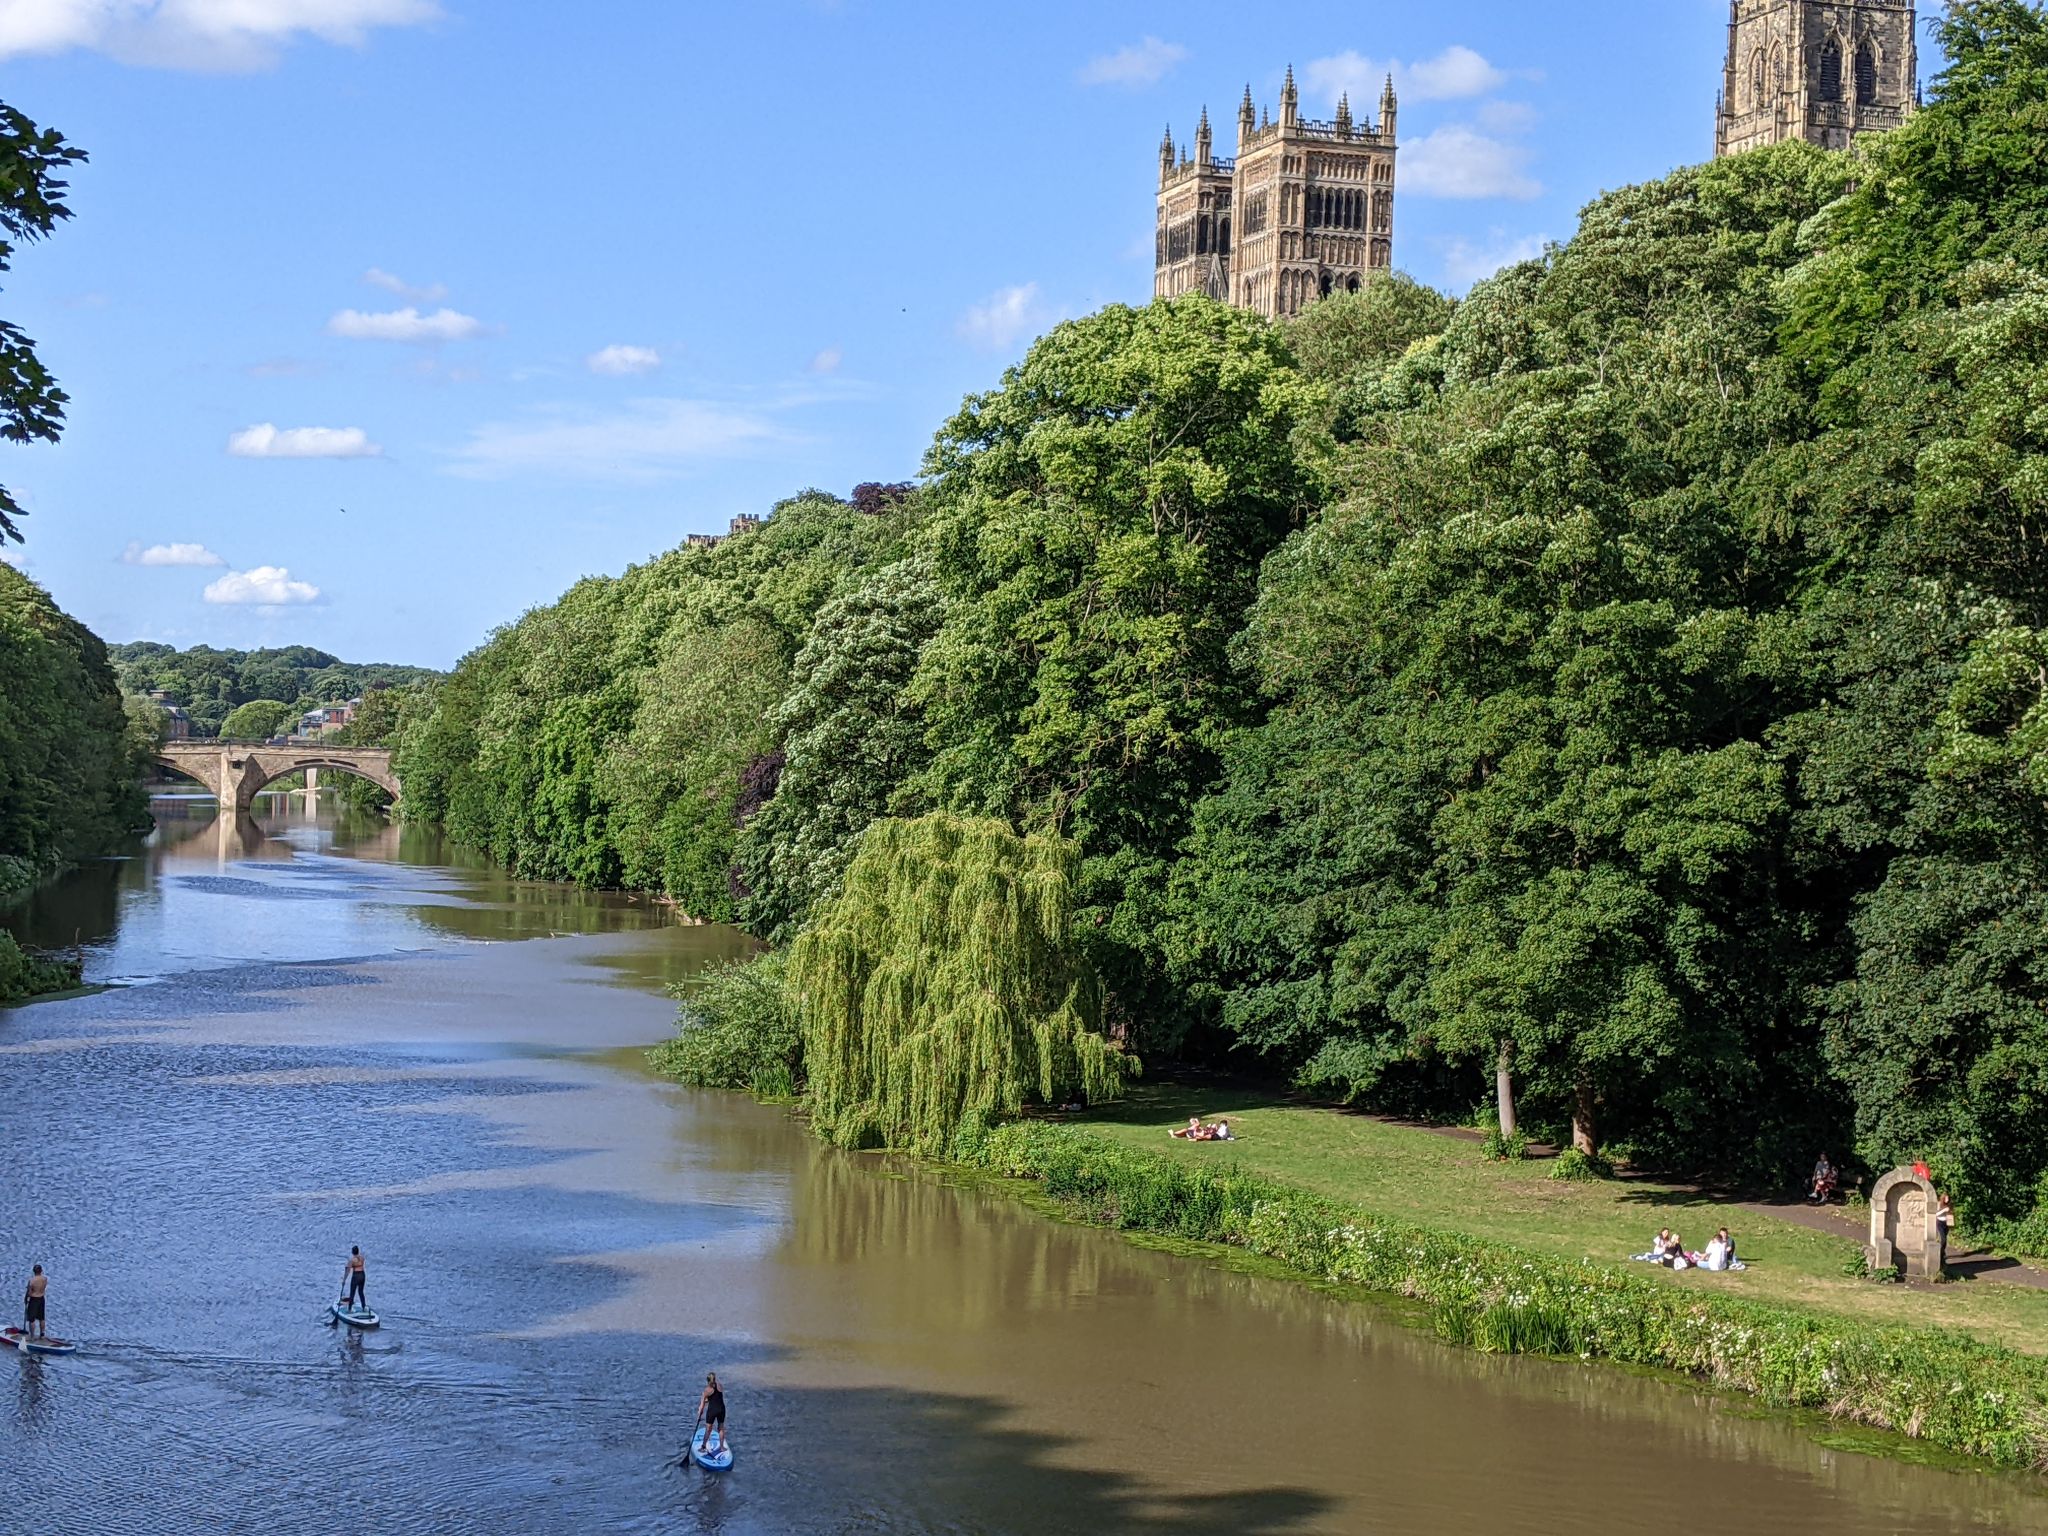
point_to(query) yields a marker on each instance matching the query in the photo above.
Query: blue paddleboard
(347, 1314)
(716, 1463)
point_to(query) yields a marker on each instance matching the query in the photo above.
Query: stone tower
(1820, 70)
(1304, 209)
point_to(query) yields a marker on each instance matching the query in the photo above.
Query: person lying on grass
(1194, 1130)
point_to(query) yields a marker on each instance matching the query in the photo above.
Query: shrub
(1575, 1166)
(1953, 1391)
(1497, 1148)
(737, 1031)
(24, 976)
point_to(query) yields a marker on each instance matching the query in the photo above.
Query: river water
(324, 1032)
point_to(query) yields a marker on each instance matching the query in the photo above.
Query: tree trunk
(1504, 1089)
(1583, 1135)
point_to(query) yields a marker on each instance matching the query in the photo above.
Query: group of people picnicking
(1669, 1250)
(1195, 1130)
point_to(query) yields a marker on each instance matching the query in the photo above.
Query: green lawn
(1442, 1181)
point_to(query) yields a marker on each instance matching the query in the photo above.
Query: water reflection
(207, 889)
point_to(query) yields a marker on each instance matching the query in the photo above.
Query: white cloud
(170, 554)
(406, 324)
(197, 34)
(267, 585)
(265, 441)
(620, 360)
(649, 440)
(1466, 262)
(1004, 317)
(1461, 162)
(1144, 63)
(827, 361)
(390, 282)
(1454, 74)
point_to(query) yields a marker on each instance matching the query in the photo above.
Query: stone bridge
(236, 771)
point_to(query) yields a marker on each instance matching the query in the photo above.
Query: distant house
(177, 724)
(328, 717)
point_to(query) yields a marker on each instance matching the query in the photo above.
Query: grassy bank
(1411, 1173)
(1952, 1390)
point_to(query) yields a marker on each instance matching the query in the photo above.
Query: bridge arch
(236, 772)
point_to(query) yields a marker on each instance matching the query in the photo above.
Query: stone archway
(1902, 1229)
(236, 774)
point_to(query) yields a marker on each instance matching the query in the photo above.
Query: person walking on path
(1944, 1218)
(33, 1304)
(352, 1281)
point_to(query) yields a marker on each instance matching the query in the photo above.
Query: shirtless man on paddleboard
(32, 1304)
(352, 1280)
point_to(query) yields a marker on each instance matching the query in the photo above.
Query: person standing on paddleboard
(352, 1281)
(711, 1409)
(32, 1304)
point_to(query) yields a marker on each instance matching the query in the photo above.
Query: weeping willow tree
(942, 987)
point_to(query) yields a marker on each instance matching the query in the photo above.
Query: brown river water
(322, 1033)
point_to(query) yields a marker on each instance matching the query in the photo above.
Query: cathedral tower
(1304, 209)
(1820, 70)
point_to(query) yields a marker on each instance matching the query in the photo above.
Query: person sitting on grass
(1661, 1249)
(1220, 1131)
(1194, 1130)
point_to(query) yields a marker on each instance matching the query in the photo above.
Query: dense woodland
(212, 684)
(1627, 687)
(71, 757)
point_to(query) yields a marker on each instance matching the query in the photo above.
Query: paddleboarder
(32, 1304)
(352, 1281)
(711, 1409)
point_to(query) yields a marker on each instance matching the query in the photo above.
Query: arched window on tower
(1866, 73)
(1757, 89)
(1831, 70)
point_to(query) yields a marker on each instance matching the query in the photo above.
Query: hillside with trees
(209, 683)
(1620, 696)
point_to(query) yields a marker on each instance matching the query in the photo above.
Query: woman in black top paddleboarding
(711, 1409)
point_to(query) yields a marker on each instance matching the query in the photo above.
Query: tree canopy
(32, 192)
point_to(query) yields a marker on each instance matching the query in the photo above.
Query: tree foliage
(1100, 523)
(614, 737)
(850, 738)
(943, 986)
(32, 190)
(209, 683)
(71, 758)
(257, 720)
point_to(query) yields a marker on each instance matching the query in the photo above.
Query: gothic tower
(1304, 209)
(1820, 70)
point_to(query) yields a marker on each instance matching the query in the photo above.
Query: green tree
(1100, 523)
(942, 988)
(70, 758)
(850, 740)
(32, 193)
(257, 720)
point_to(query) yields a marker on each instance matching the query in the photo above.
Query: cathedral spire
(1390, 108)
(1203, 139)
(1247, 119)
(1344, 116)
(1166, 154)
(1290, 100)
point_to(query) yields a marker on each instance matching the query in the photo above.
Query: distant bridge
(236, 771)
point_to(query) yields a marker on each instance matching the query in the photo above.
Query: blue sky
(384, 320)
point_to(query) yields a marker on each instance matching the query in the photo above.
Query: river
(320, 1031)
